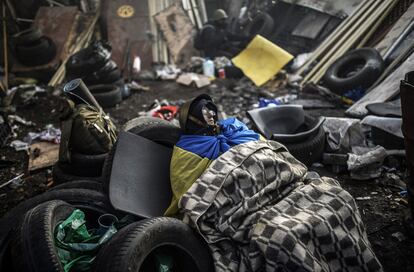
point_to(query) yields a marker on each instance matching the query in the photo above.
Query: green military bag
(86, 130)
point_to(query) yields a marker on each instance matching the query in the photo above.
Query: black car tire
(63, 172)
(107, 169)
(80, 198)
(27, 36)
(36, 54)
(154, 129)
(130, 249)
(359, 68)
(34, 248)
(262, 24)
(87, 165)
(81, 184)
(311, 150)
(107, 77)
(107, 95)
(84, 63)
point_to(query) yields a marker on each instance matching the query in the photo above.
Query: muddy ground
(382, 213)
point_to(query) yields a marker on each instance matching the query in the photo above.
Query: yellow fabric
(261, 60)
(185, 169)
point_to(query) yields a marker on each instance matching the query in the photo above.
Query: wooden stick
(377, 24)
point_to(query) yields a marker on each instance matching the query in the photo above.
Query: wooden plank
(385, 91)
(311, 25)
(396, 31)
(42, 155)
(79, 37)
(55, 23)
(123, 28)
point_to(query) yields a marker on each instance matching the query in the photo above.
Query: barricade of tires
(27, 232)
(32, 48)
(101, 74)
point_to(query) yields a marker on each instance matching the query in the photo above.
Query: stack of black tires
(27, 231)
(32, 48)
(101, 74)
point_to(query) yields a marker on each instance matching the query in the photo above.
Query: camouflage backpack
(86, 130)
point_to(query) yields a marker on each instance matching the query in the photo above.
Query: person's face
(209, 115)
(222, 22)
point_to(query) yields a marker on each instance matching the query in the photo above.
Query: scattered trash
(222, 62)
(299, 61)
(19, 145)
(208, 68)
(167, 72)
(134, 86)
(30, 92)
(343, 134)
(20, 120)
(363, 198)
(50, 134)
(200, 81)
(14, 182)
(365, 163)
(166, 112)
(281, 100)
(76, 244)
(399, 236)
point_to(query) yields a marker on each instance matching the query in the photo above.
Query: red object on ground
(166, 112)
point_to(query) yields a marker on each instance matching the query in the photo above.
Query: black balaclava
(197, 121)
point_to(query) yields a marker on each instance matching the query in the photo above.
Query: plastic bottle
(208, 68)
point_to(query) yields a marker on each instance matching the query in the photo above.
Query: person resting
(203, 140)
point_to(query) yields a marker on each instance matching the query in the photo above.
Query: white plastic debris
(14, 182)
(17, 119)
(19, 145)
(365, 163)
(168, 72)
(50, 134)
(363, 198)
(343, 134)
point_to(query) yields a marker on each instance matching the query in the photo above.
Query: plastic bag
(76, 245)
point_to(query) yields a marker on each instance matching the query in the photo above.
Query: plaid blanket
(257, 212)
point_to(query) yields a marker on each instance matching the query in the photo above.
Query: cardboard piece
(261, 60)
(189, 78)
(42, 155)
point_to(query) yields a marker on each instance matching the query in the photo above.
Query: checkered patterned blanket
(257, 212)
